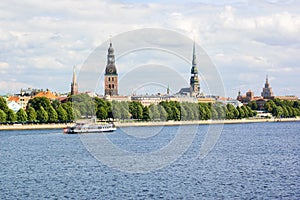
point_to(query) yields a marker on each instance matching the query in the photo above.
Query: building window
(113, 86)
(108, 78)
(112, 79)
(109, 86)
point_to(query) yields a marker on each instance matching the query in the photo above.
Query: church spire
(74, 85)
(194, 80)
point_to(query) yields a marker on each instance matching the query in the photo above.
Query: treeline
(39, 110)
(282, 108)
(173, 110)
(42, 110)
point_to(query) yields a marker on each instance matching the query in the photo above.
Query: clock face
(110, 70)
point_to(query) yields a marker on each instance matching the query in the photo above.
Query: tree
(84, 103)
(70, 111)
(176, 114)
(38, 102)
(146, 113)
(214, 113)
(153, 112)
(3, 105)
(52, 115)
(21, 116)
(41, 114)
(241, 113)
(11, 116)
(136, 110)
(253, 105)
(269, 106)
(31, 114)
(102, 113)
(62, 114)
(2, 116)
(163, 115)
(278, 111)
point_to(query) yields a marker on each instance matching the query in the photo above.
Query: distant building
(14, 106)
(74, 85)
(147, 100)
(48, 94)
(267, 92)
(29, 92)
(287, 98)
(245, 98)
(194, 89)
(111, 75)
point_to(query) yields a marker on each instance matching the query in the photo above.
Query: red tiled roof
(48, 94)
(13, 98)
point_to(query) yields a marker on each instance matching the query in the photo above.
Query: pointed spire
(194, 54)
(267, 81)
(74, 75)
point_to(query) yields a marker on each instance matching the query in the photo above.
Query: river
(247, 161)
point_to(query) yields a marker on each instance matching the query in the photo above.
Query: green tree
(2, 116)
(176, 114)
(52, 115)
(153, 112)
(11, 116)
(3, 105)
(163, 115)
(278, 111)
(146, 113)
(38, 102)
(102, 113)
(41, 114)
(70, 111)
(31, 114)
(253, 105)
(269, 105)
(85, 104)
(136, 110)
(241, 113)
(62, 114)
(21, 116)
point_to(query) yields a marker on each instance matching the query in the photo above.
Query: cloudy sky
(41, 41)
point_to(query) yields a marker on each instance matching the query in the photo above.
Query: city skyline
(245, 40)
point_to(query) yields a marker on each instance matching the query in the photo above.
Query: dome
(111, 69)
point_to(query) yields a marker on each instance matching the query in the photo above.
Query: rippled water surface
(248, 161)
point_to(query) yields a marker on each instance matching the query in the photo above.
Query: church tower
(74, 85)
(194, 80)
(267, 92)
(111, 75)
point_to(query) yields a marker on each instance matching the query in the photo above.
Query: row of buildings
(187, 94)
(266, 95)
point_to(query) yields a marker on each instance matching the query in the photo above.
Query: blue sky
(41, 41)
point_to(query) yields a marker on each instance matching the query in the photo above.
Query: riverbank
(137, 123)
(177, 123)
(34, 126)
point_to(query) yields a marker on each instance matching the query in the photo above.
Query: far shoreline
(151, 123)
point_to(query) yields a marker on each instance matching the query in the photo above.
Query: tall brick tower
(111, 75)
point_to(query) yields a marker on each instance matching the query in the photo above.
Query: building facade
(111, 75)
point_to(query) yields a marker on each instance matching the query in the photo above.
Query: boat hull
(87, 128)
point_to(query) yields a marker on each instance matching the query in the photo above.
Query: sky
(41, 41)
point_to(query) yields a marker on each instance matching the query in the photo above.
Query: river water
(248, 161)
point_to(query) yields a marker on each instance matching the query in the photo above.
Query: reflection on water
(248, 161)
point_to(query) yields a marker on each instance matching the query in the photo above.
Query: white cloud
(240, 36)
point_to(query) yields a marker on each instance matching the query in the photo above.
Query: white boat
(90, 128)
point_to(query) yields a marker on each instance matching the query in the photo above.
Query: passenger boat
(90, 128)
